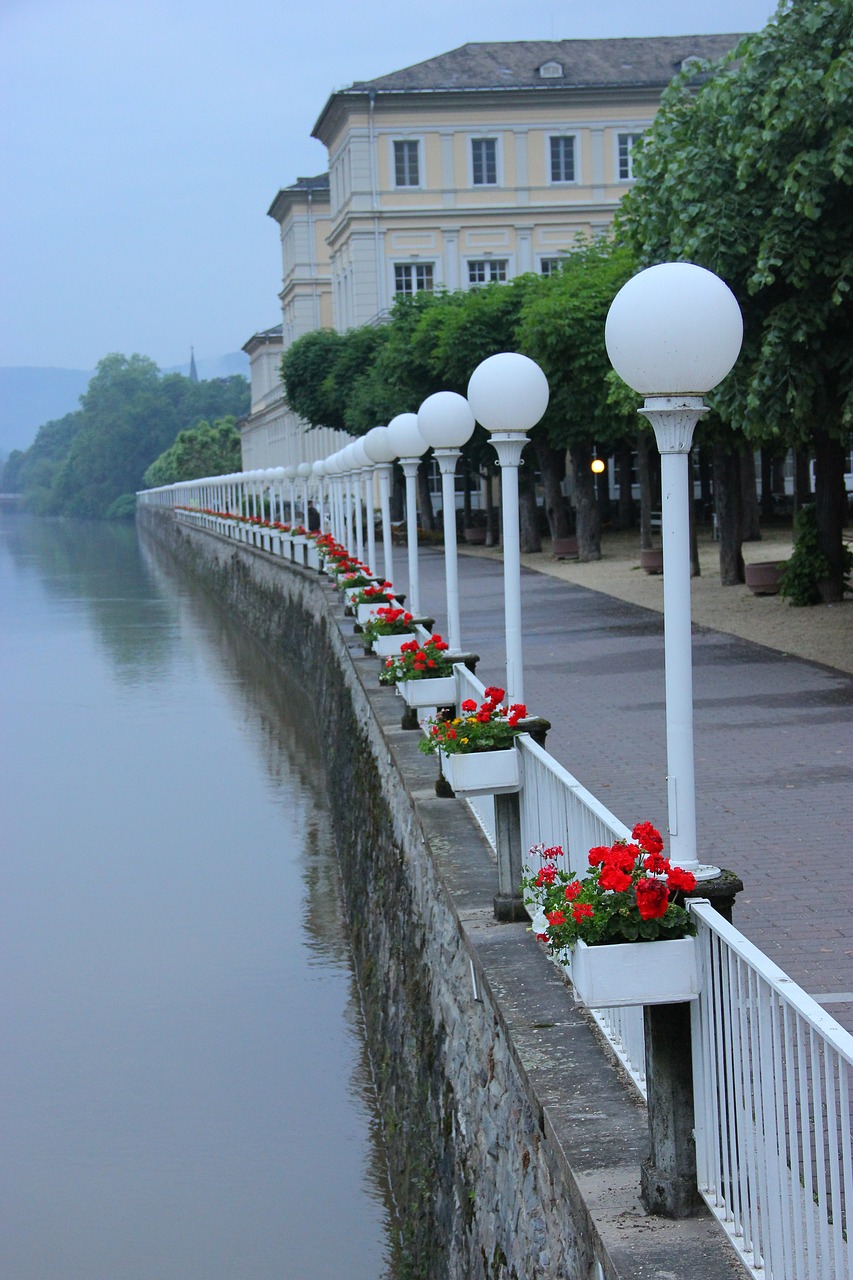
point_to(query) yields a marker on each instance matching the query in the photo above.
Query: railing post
(509, 905)
(668, 1178)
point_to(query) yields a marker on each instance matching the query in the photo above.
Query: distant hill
(31, 396)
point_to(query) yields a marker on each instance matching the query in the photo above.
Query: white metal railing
(771, 1069)
(772, 1081)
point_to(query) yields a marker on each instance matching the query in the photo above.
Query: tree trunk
(766, 484)
(398, 494)
(727, 502)
(802, 480)
(695, 567)
(749, 504)
(626, 497)
(644, 475)
(528, 513)
(552, 468)
(588, 516)
(602, 494)
(705, 483)
(425, 498)
(830, 504)
(492, 533)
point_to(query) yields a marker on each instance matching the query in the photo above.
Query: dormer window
(551, 71)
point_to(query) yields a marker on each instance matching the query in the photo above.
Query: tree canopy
(748, 172)
(203, 450)
(85, 463)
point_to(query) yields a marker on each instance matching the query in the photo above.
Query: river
(186, 1089)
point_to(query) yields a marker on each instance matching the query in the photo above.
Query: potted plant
(423, 674)
(388, 631)
(621, 933)
(370, 598)
(476, 749)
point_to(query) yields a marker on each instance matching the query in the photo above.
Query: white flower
(539, 923)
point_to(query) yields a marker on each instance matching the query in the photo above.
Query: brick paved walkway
(774, 750)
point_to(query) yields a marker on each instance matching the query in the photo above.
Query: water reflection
(187, 1088)
(96, 566)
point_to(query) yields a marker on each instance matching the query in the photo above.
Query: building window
(550, 266)
(627, 142)
(563, 159)
(406, 169)
(412, 277)
(484, 162)
(486, 270)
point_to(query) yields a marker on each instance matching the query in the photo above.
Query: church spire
(193, 369)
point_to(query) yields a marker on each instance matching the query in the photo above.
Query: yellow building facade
(475, 166)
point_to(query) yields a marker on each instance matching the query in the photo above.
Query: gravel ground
(823, 633)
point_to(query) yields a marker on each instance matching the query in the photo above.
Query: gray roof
(651, 61)
(320, 183)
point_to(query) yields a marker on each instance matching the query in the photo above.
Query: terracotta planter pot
(565, 548)
(763, 578)
(651, 559)
(482, 773)
(434, 691)
(629, 973)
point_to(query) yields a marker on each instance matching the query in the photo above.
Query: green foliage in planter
(808, 566)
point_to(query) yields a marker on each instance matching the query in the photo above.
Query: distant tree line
(747, 170)
(91, 462)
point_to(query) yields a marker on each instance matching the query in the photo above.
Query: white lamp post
(364, 478)
(380, 450)
(446, 423)
(673, 332)
(304, 471)
(320, 473)
(509, 394)
(354, 481)
(410, 445)
(290, 475)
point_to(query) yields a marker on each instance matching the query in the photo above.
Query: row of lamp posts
(673, 333)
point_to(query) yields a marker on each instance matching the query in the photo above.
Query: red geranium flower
(648, 836)
(654, 863)
(573, 890)
(555, 918)
(598, 854)
(613, 878)
(581, 910)
(469, 705)
(547, 875)
(652, 898)
(678, 879)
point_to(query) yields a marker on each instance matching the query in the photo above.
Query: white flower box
(367, 611)
(433, 691)
(628, 973)
(390, 646)
(482, 773)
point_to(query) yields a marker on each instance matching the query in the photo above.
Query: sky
(143, 141)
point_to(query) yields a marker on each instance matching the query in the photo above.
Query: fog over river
(186, 1092)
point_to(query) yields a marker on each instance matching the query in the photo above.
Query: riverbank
(822, 633)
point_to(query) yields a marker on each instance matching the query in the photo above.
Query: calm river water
(186, 1090)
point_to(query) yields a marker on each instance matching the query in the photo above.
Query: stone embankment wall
(514, 1142)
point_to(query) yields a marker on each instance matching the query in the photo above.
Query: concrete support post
(668, 1179)
(508, 901)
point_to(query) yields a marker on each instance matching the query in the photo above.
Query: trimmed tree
(749, 174)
